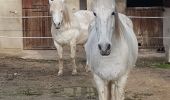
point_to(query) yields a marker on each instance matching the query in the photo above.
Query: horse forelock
(117, 25)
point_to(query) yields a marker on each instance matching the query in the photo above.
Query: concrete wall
(89, 4)
(73, 5)
(121, 5)
(10, 8)
(166, 33)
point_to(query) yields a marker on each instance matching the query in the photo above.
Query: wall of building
(121, 5)
(73, 5)
(89, 4)
(166, 33)
(10, 27)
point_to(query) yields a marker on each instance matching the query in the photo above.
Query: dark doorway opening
(83, 4)
(145, 3)
(167, 3)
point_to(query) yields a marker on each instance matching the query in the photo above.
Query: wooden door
(149, 31)
(36, 27)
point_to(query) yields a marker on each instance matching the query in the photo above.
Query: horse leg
(60, 54)
(102, 88)
(87, 67)
(119, 88)
(73, 54)
(113, 95)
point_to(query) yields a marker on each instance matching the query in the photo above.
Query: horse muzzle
(105, 50)
(58, 25)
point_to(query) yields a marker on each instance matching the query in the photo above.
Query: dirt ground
(28, 79)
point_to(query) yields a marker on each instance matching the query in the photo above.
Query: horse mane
(117, 24)
(66, 17)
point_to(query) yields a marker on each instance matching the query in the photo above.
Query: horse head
(57, 11)
(105, 24)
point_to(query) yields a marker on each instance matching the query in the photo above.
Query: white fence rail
(27, 17)
(30, 17)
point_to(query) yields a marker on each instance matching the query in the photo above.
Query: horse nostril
(99, 46)
(108, 46)
(59, 24)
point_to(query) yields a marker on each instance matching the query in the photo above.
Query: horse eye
(113, 13)
(94, 14)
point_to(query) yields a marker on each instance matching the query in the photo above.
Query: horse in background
(111, 49)
(68, 29)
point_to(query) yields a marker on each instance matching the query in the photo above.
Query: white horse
(111, 49)
(68, 29)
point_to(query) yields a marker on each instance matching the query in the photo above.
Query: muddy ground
(27, 79)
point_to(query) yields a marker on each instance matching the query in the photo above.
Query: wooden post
(166, 33)
(168, 53)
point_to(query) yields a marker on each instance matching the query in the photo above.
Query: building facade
(12, 25)
(145, 29)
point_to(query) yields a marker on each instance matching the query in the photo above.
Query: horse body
(84, 18)
(64, 36)
(111, 50)
(68, 29)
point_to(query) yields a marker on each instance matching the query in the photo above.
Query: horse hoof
(87, 70)
(74, 72)
(60, 73)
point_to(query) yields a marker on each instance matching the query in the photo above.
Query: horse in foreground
(111, 49)
(68, 29)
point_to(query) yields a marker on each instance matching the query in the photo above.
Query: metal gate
(149, 31)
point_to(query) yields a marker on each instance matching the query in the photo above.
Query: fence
(156, 41)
